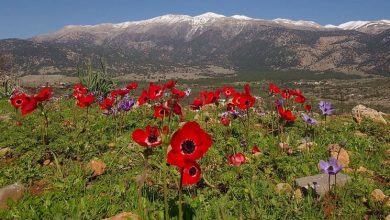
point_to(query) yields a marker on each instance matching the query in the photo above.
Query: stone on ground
(378, 196)
(11, 192)
(339, 153)
(124, 216)
(360, 111)
(320, 182)
(283, 188)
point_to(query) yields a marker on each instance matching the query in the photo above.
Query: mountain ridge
(169, 42)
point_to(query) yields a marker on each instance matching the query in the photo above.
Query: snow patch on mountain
(297, 23)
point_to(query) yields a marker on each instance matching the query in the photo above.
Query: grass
(245, 192)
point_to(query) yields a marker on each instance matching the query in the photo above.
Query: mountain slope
(168, 42)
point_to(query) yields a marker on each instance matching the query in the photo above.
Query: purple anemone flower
(332, 167)
(326, 108)
(309, 120)
(125, 105)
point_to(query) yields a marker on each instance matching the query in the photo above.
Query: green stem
(165, 170)
(247, 127)
(180, 195)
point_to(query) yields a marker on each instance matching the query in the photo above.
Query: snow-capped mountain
(209, 17)
(235, 42)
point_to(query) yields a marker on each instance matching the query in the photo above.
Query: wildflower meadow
(167, 151)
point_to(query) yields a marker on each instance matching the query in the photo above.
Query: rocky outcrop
(360, 112)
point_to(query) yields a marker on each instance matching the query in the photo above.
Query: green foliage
(96, 79)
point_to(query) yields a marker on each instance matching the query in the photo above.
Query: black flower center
(152, 138)
(162, 112)
(247, 102)
(330, 168)
(192, 171)
(19, 101)
(228, 92)
(188, 146)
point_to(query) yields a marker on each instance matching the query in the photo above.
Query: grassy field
(60, 184)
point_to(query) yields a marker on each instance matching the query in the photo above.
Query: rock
(339, 153)
(111, 145)
(4, 151)
(378, 196)
(12, 192)
(283, 146)
(360, 111)
(362, 169)
(98, 167)
(298, 194)
(283, 188)
(320, 182)
(306, 146)
(388, 217)
(387, 204)
(46, 162)
(124, 216)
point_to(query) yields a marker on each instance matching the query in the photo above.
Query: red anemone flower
(273, 89)
(286, 94)
(255, 150)
(160, 111)
(132, 86)
(170, 84)
(243, 101)
(196, 104)
(119, 92)
(300, 99)
(29, 106)
(230, 107)
(79, 90)
(44, 94)
(179, 93)
(228, 91)
(225, 121)
(295, 92)
(308, 108)
(18, 100)
(191, 173)
(107, 103)
(237, 159)
(144, 97)
(176, 108)
(190, 142)
(155, 91)
(286, 114)
(247, 89)
(150, 137)
(210, 97)
(85, 101)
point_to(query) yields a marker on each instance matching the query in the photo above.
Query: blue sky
(26, 18)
